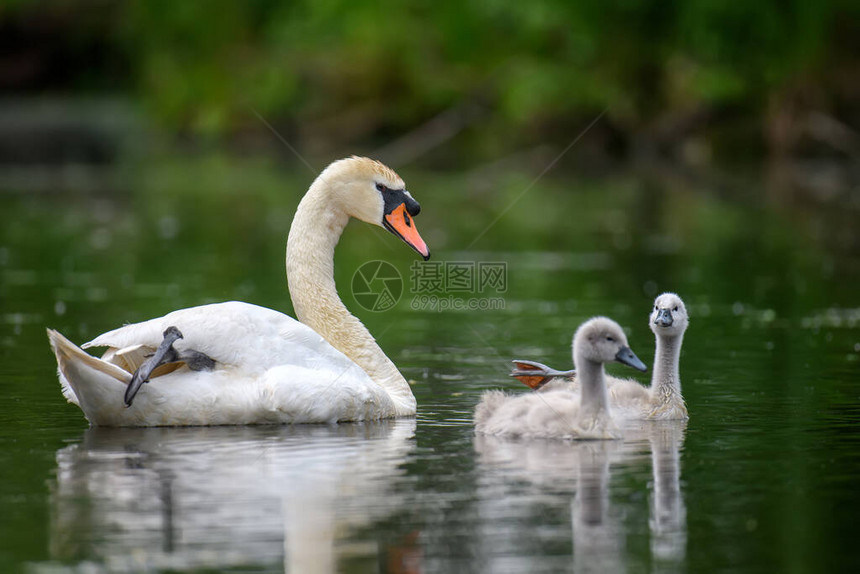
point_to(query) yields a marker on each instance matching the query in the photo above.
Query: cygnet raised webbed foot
(535, 375)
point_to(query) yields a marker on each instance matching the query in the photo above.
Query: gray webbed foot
(166, 353)
(196, 360)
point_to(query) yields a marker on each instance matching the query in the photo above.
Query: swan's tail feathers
(535, 375)
(89, 382)
(490, 401)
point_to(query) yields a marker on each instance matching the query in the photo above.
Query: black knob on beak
(412, 207)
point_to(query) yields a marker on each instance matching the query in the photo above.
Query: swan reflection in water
(599, 524)
(218, 497)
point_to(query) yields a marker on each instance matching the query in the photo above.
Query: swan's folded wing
(128, 358)
(233, 334)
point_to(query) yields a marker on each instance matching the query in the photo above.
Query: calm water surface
(763, 478)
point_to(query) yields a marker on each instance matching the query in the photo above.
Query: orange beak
(401, 224)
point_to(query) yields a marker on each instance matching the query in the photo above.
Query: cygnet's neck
(592, 379)
(666, 380)
(315, 231)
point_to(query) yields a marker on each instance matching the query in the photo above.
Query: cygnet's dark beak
(627, 357)
(663, 318)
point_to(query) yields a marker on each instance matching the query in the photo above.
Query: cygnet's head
(669, 316)
(601, 340)
(372, 192)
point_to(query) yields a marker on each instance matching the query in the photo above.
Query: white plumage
(269, 367)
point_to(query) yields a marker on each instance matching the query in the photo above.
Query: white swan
(562, 413)
(236, 363)
(629, 399)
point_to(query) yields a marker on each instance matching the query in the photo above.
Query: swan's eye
(381, 187)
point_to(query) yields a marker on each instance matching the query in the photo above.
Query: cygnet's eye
(610, 339)
(655, 307)
(675, 310)
(381, 187)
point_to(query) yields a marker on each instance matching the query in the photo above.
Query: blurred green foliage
(363, 70)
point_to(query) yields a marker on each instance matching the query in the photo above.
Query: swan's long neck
(315, 231)
(666, 380)
(592, 379)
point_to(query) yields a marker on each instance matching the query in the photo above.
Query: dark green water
(763, 478)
